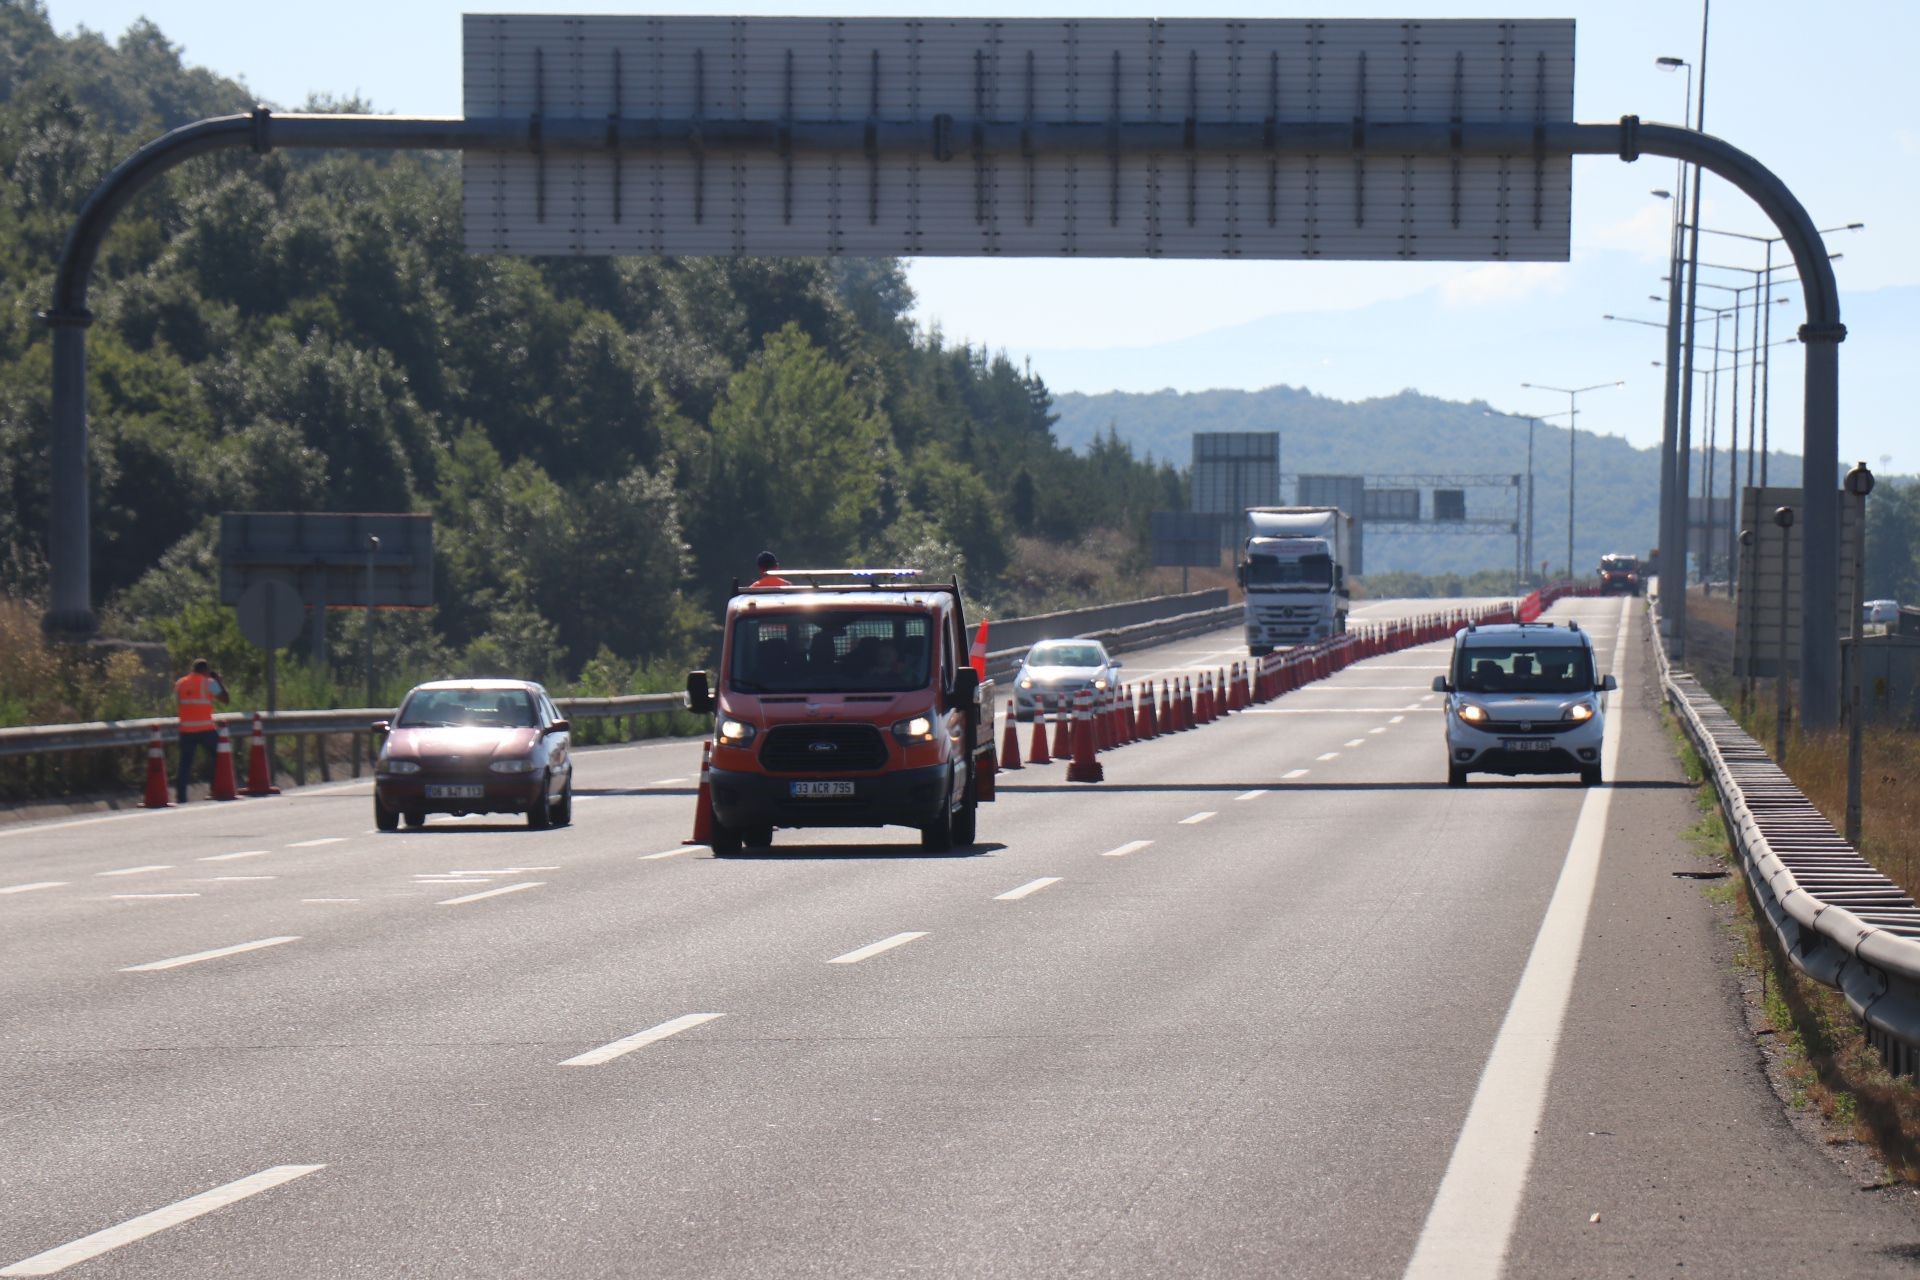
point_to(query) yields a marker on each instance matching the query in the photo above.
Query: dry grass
(1100, 568)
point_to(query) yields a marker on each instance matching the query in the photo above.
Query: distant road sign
(1187, 539)
(271, 613)
(1038, 137)
(327, 554)
(1234, 470)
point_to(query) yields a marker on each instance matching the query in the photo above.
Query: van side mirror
(966, 686)
(1240, 574)
(1608, 684)
(699, 696)
(1440, 685)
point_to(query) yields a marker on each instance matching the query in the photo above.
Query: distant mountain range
(1415, 434)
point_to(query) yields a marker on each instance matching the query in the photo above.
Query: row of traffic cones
(225, 784)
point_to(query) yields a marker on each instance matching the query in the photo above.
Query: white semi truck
(1294, 570)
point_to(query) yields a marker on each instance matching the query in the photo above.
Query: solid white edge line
(1131, 846)
(639, 1040)
(1470, 1223)
(37, 884)
(110, 1238)
(174, 962)
(1031, 886)
(1251, 795)
(875, 948)
(489, 893)
(1195, 819)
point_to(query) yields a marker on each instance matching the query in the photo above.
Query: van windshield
(831, 651)
(1307, 573)
(1525, 668)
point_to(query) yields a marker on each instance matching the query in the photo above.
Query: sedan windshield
(1530, 668)
(1308, 573)
(831, 651)
(1059, 654)
(463, 708)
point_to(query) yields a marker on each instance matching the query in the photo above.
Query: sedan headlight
(918, 729)
(1026, 682)
(400, 766)
(1473, 713)
(1579, 712)
(512, 766)
(1100, 683)
(736, 733)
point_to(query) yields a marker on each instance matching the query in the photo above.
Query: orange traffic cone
(156, 797)
(259, 770)
(1037, 751)
(224, 786)
(703, 801)
(1062, 735)
(1084, 767)
(1010, 743)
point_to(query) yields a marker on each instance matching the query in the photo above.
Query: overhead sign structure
(1108, 137)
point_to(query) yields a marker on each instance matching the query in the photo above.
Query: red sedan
(474, 746)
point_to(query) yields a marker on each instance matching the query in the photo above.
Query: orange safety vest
(772, 580)
(195, 695)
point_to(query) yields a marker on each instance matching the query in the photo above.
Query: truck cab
(846, 699)
(1293, 568)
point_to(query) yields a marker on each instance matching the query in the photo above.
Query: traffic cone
(703, 801)
(156, 775)
(1187, 720)
(1063, 733)
(1037, 750)
(1010, 742)
(1084, 767)
(1143, 716)
(259, 771)
(224, 786)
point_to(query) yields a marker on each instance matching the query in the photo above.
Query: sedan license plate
(1526, 744)
(818, 790)
(454, 791)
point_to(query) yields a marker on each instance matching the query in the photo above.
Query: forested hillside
(603, 444)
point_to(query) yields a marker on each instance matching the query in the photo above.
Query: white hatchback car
(1524, 698)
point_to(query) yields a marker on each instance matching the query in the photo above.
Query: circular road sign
(271, 613)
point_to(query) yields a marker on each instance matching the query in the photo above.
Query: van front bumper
(898, 798)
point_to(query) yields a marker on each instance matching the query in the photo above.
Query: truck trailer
(1293, 567)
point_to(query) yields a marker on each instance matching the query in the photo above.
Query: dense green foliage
(604, 444)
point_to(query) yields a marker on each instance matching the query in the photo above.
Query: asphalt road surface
(1272, 1000)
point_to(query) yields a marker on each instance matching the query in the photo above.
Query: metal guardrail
(1836, 917)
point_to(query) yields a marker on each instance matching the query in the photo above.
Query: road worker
(769, 566)
(196, 692)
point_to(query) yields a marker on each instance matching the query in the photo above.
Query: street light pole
(1783, 518)
(1532, 421)
(1573, 438)
(1859, 485)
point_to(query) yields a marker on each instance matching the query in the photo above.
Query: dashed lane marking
(149, 897)
(1396, 720)
(667, 782)
(1131, 846)
(37, 884)
(311, 844)
(1250, 795)
(1195, 819)
(489, 893)
(640, 1040)
(1378, 729)
(136, 871)
(875, 948)
(111, 1238)
(1327, 755)
(1353, 742)
(670, 853)
(1030, 887)
(329, 899)
(503, 871)
(1291, 774)
(175, 962)
(225, 879)
(230, 857)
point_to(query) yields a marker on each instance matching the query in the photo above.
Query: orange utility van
(845, 699)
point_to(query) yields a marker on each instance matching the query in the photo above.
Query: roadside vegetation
(1402, 585)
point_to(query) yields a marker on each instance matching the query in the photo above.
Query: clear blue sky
(1825, 95)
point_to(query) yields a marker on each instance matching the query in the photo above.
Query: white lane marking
(147, 897)
(1327, 755)
(640, 1040)
(229, 857)
(1131, 846)
(503, 871)
(1429, 697)
(1470, 1223)
(221, 879)
(329, 899)
(1396, 720)
(875, 948)
(1250, 795)
(666, 782)
(136, 871)
(1195, 819)
(110, 1238)
(1291, 774)
(1378, 729)
(490, 893)
(1326, 711)
(670, 853)
(154, 966)
(311, 844)
(1355, 742)
(1030, 887)
(1348, 687)
(37, 884)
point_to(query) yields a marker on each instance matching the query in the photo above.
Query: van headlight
(736, 733)
(1473, 713)
(918, 729)
(1579, 712)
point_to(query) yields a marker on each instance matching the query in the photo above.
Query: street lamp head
(1746, 537)
(1783, 516)
(1671, 64)
(1860, 480)
(1664, 195)
(1853, 226)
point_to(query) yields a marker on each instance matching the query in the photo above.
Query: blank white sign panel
(1094, 202)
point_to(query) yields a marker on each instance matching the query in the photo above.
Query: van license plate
(1526, 744)
(818, 790)
(450, 791)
